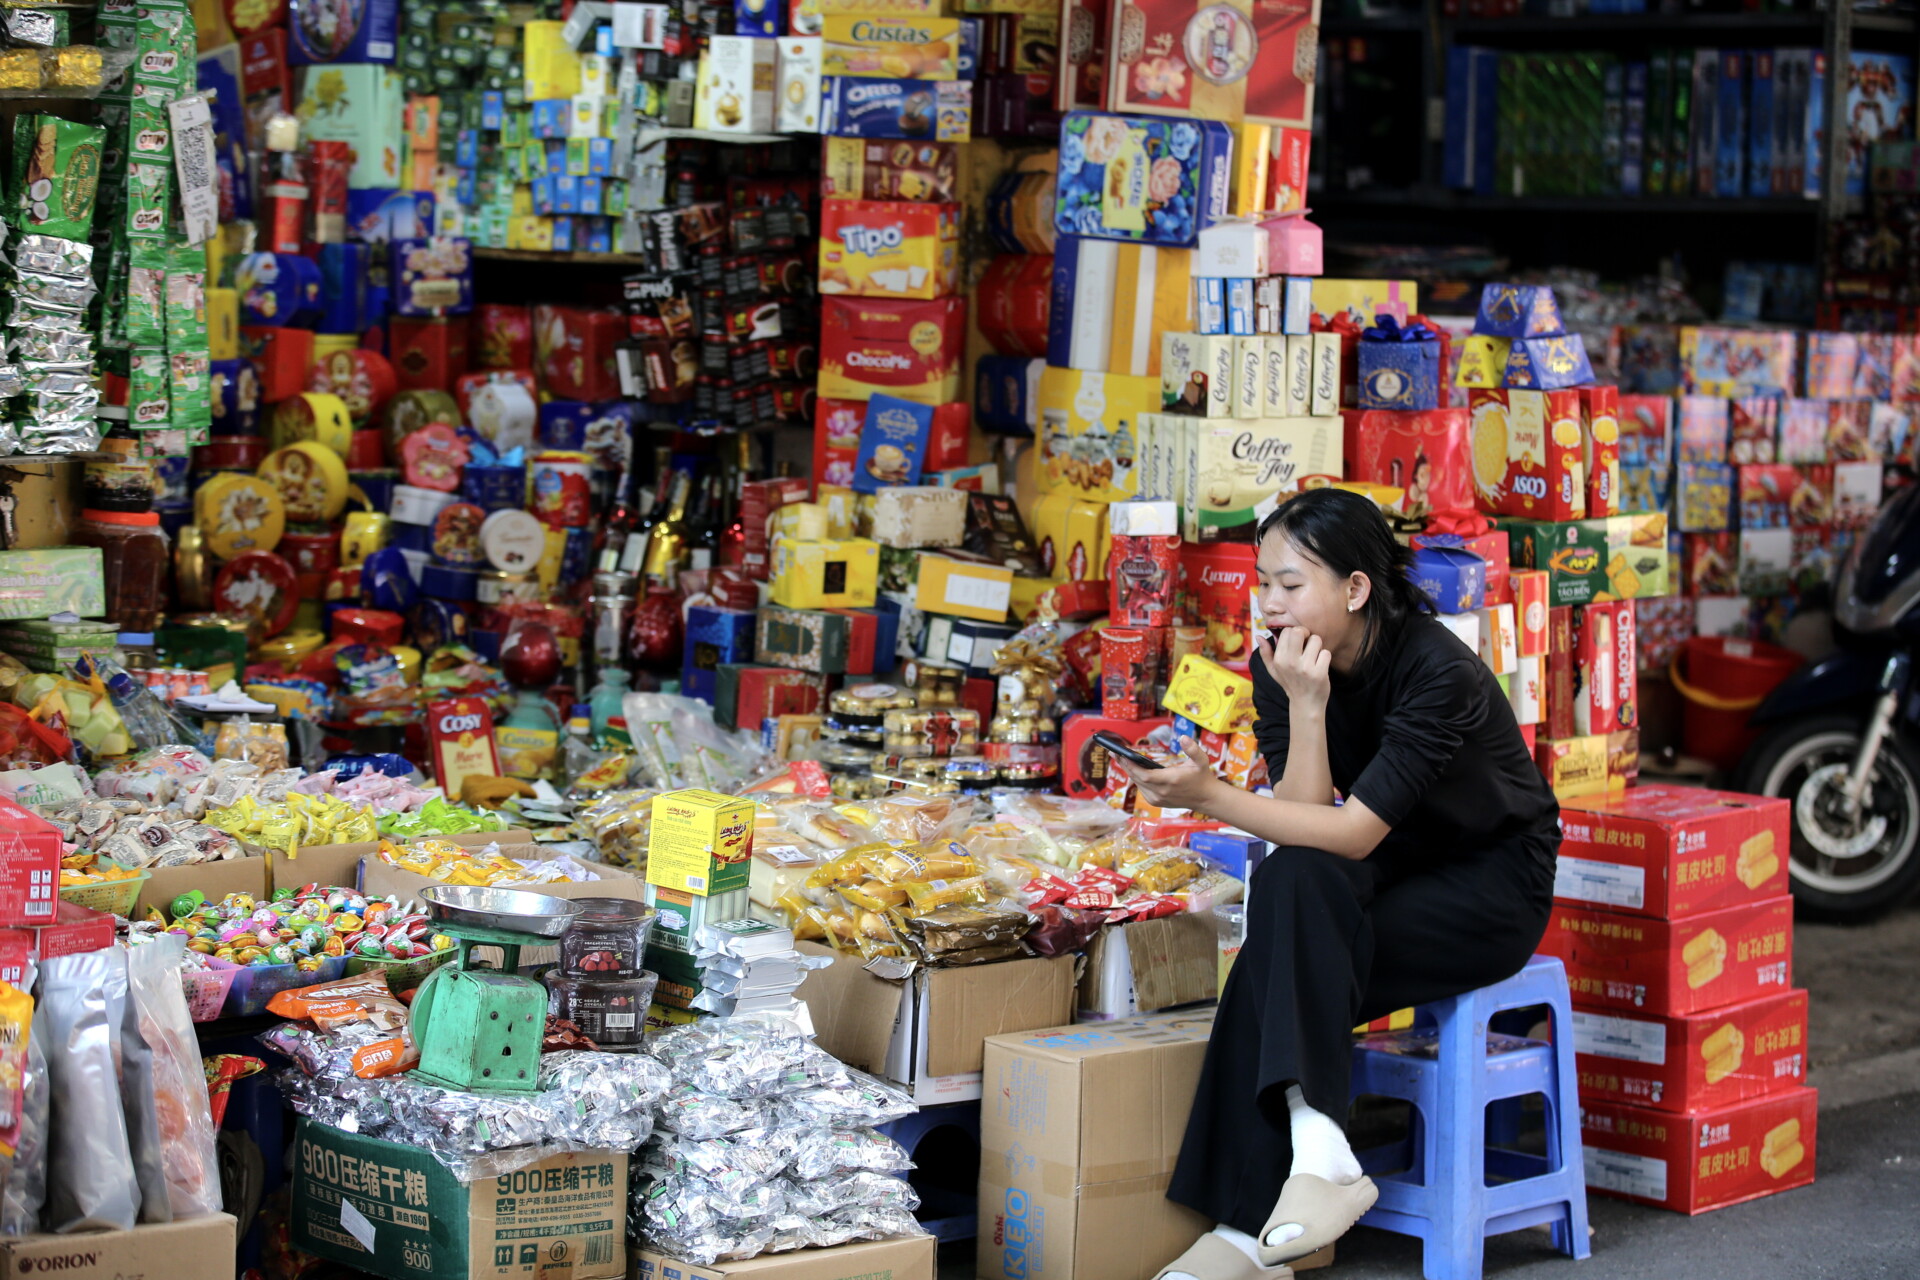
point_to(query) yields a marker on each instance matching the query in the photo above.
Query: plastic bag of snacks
(179, 1080)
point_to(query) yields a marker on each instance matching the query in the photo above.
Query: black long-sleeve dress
(1454, 898)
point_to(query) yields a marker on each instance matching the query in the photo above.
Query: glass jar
(134, 554)
(607, 939)
(612, 1012)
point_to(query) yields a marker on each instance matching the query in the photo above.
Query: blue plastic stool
(947, 1212)
(1442, 1194)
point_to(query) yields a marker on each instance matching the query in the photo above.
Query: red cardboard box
(283, 359)
(1705, 1060)
(428, 354)
(573, 351)
(913, 350)
(1600, 443)
(1674, 966)
(1422, 451)
(1545, 476)
(1606, 667)
(1529, 587)
(29, 867)
(947, 439)
(1217, 585)
(1560, 685)
(16, 952)
(766, 692)
(74, 929)
(1702, 1161)
(1083, 762)
(861, 638)
(1672, 851)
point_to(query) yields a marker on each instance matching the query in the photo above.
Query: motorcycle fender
(1840, 680)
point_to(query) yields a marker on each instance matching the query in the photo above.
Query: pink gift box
(1294, 247)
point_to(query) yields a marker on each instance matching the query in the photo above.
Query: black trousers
(1332, 943)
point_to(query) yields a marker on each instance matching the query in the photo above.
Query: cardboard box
(1702, 1161)
(40, 583)
(911, 1258)
(1608, 558)
(199, 1249)
(842, 574)
(700, 841)
(1148, 966)
(1527, 454)
(393, 1208)
(29, 866)
(1670, 852)
(1573, 766)
(964, 589)
(1210, 695)
(250, 875)
(1065, 1192)
(908, 349)
(1710, 1059)
(1674, 966)
(927, 1033)
(1606, 667)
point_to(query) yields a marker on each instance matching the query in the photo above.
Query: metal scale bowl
(479, 1028)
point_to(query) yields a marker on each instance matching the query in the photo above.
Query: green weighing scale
(479, 1028)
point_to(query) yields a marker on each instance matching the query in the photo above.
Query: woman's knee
(1298, 869)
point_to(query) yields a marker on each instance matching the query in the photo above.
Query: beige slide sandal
(1325, 1209)
(1212, 1258)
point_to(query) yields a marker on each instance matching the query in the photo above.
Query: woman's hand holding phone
(1299, 663)
(1183, 782)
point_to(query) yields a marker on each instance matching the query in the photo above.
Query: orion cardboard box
(911, 1258)
(1079, 1129)
(926, 1033)
(1671, 851)
(200, 1249)
(1674, 966)
(1702, 1161)
(393, 1209)
(1692, 1063)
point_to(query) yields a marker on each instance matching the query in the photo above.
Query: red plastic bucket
(1723, 680)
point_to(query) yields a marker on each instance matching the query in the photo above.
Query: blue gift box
(1548, 364)
(878, 107)
(343, 288)
(235, 395)
(1399, 375)
(381, 217)
(893, 443)
(432, 277)
(466, 149)
(563, 424)
(1453, 578)
(1006, 392)
(331, 31)
(551, 117)
(589, 200)
(908, 624)
(714, 636)
(1097, 197)
(494, 487)
(1235, 854)
(545, 195)
(759, 18)
(1518, 311)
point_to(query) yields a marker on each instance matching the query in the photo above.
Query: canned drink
(178, 684)
(1128, 659)
(157, 679)
(560, 489)
(197, 684)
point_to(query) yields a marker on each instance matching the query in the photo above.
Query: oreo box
(872, 107)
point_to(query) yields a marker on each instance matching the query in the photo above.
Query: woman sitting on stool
(1432, 879)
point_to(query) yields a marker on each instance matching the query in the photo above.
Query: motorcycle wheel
(1840, 871)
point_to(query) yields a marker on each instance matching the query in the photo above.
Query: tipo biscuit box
(1674, 966)
(1702, 1161)
(1527, 454)
(1238, 470)
(1672, 851)
(888, 248)
(910, 349)
(1710, 1059)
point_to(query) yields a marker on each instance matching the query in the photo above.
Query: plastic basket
(402, 975)
(115, 897)
(254, 985)
(207, 989)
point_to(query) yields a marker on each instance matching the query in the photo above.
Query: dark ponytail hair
(1346, 533)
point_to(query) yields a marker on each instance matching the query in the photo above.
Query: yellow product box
(1362, 300)
(898, 46)
(1210, 695)
(530, 232)
(552, 66)
(1251, 148)
(701, 842)
(1089, 433)
(963, 589)
(1482, 362)
(842, 506)
(1576, 767)
(833, 574)
(1072, 536)
(889, 248)
(800, 521)
(223, 324)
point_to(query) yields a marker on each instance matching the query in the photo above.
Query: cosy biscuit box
(888, 248)
(1705, 1160)
(1703, 1060)
(1674, 967)
(1672, 851)
(911, 349)
(1527, 453)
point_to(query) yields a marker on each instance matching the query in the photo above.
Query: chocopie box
(1708, 1059)
(908, 349)
(872, 107)
(342, 31)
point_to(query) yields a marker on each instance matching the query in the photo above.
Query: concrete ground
(1860, 1218)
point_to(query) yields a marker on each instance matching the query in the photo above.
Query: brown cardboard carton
(340, 863)
(215, 879)
(910, 1258)
(1079, 1130)
(199, 1249)
(1150, 965)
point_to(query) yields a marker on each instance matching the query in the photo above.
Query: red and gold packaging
(1422, 452)
(283, 359)
(1703, 1060)
(759, 499)
(428, 354)
(1672, 851)
(1606, 668)
(1530, 610)
(573, 349)
(1143, 577)
(1600, 448)
(1217, 590)
(502, 336)
(461, 733)
(1289, 151)
(1617, 961)
(331, 162)
(1701, 1161)
(1527, 454)
(1083, 765)
(1560, 675)
(1129, 663)
(913, 350)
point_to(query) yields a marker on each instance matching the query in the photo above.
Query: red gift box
(913, 350)
(1217, 585)
(1617, 961)
(948, 439)
(1013, 298)
(764, 692)
(1423, 452)
(574, 351)
(283, 359)
(1083, 762)
(1672, 851)
(1559, 686)
(1081, 600)
(29, 867)
(502, 336)
(369, 626)
(1703, 1060)
(979, 694)
(1600, 442)
(429, 354)
(1143, 573)
(1701, 1161)
(861, 639)
(74, 929)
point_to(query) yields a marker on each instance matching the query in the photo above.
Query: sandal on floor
(1326, 1209)
(1212, 1258)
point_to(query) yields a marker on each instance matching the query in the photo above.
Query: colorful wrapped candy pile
(304, 928)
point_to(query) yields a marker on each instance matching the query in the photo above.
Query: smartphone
(1119, 746)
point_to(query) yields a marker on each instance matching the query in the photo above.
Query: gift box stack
(1673, 918)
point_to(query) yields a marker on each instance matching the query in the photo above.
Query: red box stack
(1673, 918)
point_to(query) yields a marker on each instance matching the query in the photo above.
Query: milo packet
(192, 390)
(148, 402)
(149, 194)
(146, 294)
(164, 46)
(61, 178)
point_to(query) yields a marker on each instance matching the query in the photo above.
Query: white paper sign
(193, 162)
(355, 1224)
